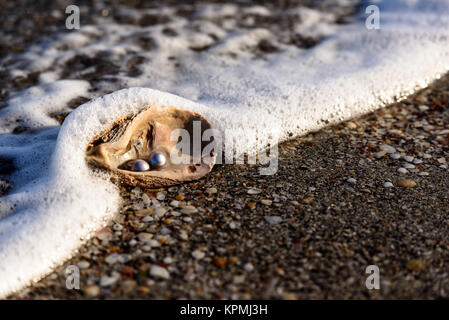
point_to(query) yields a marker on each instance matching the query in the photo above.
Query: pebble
(91, 291)
(308, 200)
(112, 258)
(159, 272)
(189, 210)
(273, 219)
(407, 183)
(106, 281)
(395, 156)
(145, 236)
(424, 173)
(402, 170)
(174, 203)
(441, 160)
(168, 260)
(408, 158)
(266, 202)
(409, 166)
(351, 125)
(160, 212)
(352, 180)
(211, 190)
(416, 265)
(248, 267)
(387, 148)
(254, 191)
(83, 264)
(198, 255)
(388, 184)
(380, 154)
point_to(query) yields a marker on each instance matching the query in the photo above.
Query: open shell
(138, 137)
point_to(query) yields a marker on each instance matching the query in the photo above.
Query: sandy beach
(336, 205)
(369, 191)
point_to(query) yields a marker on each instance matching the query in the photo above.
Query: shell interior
(139, 136)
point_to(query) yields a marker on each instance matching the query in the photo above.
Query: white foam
(57, 200)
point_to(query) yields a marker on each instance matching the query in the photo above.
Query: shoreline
(310, 232)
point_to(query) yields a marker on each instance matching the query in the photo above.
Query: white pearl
(157, 160)
(140, 165)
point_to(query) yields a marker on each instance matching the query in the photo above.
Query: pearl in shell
(140, 165)
(158, 160)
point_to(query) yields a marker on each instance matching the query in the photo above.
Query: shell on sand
(141, 135)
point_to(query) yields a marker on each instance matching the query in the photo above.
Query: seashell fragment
(124, 148)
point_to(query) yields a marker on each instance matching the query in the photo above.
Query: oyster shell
(142, 135)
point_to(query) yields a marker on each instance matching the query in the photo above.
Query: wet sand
(328, 213)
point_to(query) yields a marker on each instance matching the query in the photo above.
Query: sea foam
(57, 201)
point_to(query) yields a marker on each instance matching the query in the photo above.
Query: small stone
(83, 264)
(424, 173)
(308, 200)
(160, 212)
(248, 267)
(251, 205)
(254, 191)
(198, 255)
(387, 148)
(352, 180)
(174, 203)
(380, 154)
(160, 196)
(273, 219)
(351, 125)
(106, 281)
(168, 260)
(189, 210)
(144, 212)
(388, 184)
(91, 291)
(211, 190)
(416, 265)
(220, 261)
(145, 236)
(407, 183)
(409, 166)
(441, 160)
(179, 197)
(159, 272)
(233, 225)
(408, 158)
(402, 170)
(112, 258)
(266, 202)
(423, 108)
(395, 156)
(183, 235)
